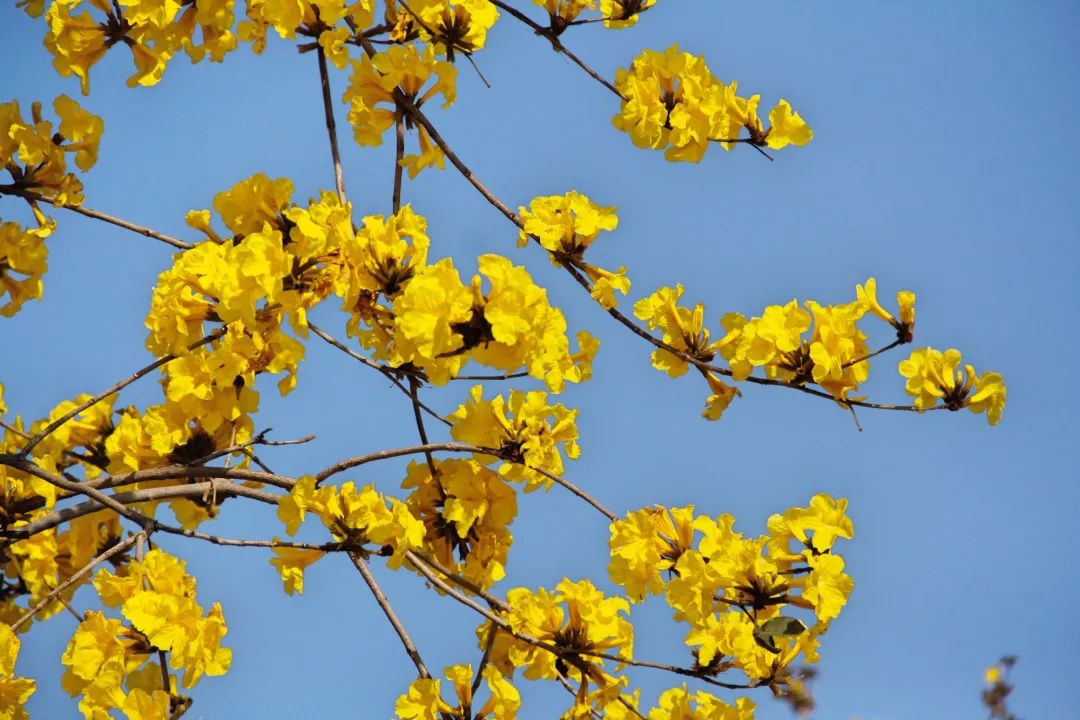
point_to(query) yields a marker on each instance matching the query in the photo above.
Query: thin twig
(51, 427)
(258, 439)
(171, 492)
(557, 45)
(493, 378)
(97, 215)
(331, 126)
(380, 598)
(352, 462)
(78, 575)
(414, 386)
(488, 644)
(864, 358)
(388, 373)
(399, 153)
(576, 491)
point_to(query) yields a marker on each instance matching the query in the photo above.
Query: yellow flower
(566, 225)
(252, 203)
(425, 316)
(423, 700)
(933, 375)
(77, 43)
(214, 19)
(453, 26)
(672, 101)
(400, 69)
(905, 300)
(774, 339)
(291, 563)
(786, 127)
(526, 431)
(562, 12)
(466, 510)
(439, 324)
(989, 396)
(647, 543)
(827, 587)
(675, 704)
(836, 349)
(14, 691)
(590, 622)
(623, 13)
(23, 262)
(816, 528)
(683, 329)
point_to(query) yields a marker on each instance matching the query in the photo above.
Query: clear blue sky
(944, 161)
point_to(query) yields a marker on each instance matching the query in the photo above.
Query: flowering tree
(82, 487)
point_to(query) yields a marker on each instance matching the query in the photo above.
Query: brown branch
(494, 602)
(399, 152)
(258, 439)
(76, 577)
(331, 126)
(171, 492)
(557, 45)
(21, 463)
(380, 598)
(890, 346)
(388, 372)
(51, 427)
(32, 196)
(494, 378)
(414, 385)
(352, 462)
(576, 491)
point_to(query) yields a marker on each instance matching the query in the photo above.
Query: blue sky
(943, 162)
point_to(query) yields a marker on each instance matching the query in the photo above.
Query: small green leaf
(783, 626)
(765, 640)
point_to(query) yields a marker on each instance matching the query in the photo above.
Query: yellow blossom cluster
(35, 155)
(113, 664)
(733, 590)
(671, 100)
(355, 518)
(799, 345)
(933, 375)
(440, 324)
(424, 700)
(155, 32)
(522, 431)
(565, 226)
(466, 510)
(563, 12)
(331, 21)
(576, 625)
(399, 72)
(454, 26)
(14, 690)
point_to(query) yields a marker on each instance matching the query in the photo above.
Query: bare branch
(331, 126)
(97, 215)
(380, 598)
